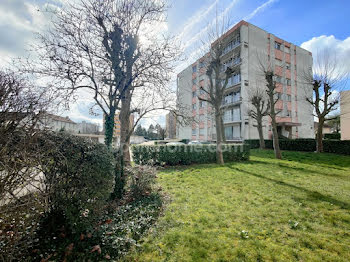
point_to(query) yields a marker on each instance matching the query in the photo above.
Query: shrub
(141, 180)
(307, 144)
(186, 154)
(78, 177)
(128, 224)
(337, 146)
(335, 136)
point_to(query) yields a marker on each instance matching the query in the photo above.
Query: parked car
(175, 143)
(194, 143)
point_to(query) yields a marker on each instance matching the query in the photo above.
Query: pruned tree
(266, 70)
(110, 50)
(272, 98)
(259, 108)
(328, 78)
(219, 75)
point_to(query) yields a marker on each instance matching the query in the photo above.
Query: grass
(296, 209)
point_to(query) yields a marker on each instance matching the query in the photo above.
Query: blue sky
(312, 24)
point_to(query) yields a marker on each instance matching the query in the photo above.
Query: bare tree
(271, 93)
(21, 107)
(260, 107)
(327, 79)
(109, 50)
(219, 74)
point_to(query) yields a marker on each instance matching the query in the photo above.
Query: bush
(307, 144)
(186, 154)
(337, 146)
(127, 225)
(78, 177)
(335, 136)
(141, 180)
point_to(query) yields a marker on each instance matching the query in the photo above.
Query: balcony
(231, 46)
(231, 119)
(232, 101)
(232, 63)
(234, 80)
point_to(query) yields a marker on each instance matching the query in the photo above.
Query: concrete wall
(184, 97)
(345, 115)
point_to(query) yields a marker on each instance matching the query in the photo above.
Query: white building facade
(247, 47)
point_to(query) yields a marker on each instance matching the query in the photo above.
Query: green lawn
(296, 209)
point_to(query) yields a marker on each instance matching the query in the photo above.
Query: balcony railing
(233, 138)
(232, 101)
(233, 80)
(231, 119)
(232, 63)
(231, 46)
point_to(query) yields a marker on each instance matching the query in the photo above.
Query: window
(201, 118)
(201, 104)
(233, 132)
(194, 81)
(194, 94)
(288, 66)
(278, 96)
(278, 46)
(296, 129)
(287, 50)
(296, 113)
(232, 44)
(234, 80)
(201, 64)
(289, 113)
(289, 98)
(288, 82)
(194, 69)
(228, 99)
(278, 79)
(194, 131)
(194, 106)
(201, 92)
(201, 131)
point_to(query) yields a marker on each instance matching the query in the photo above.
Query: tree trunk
(124, 134)
(219, 156)
(125, 126)
(319, 136)
(109, 128)
(276, 146)
(261, 134)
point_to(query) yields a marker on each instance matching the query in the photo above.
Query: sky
(312, 24)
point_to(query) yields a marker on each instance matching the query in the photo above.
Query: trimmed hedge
(335, 136)
(307, 144)
(186, 154)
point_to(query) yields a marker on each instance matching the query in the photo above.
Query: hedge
(307, 144)
(186, 154)
(335, 136)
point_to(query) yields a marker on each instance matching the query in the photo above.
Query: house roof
(61, 118)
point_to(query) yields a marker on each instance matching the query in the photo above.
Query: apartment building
(117, 125)
(345, 115)
(247, 48)
(170, 125)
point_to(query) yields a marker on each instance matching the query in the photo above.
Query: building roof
(61, 118)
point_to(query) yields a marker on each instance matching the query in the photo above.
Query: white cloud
(195, 19)
(195, 52)
(259, 9)
(337, 47)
